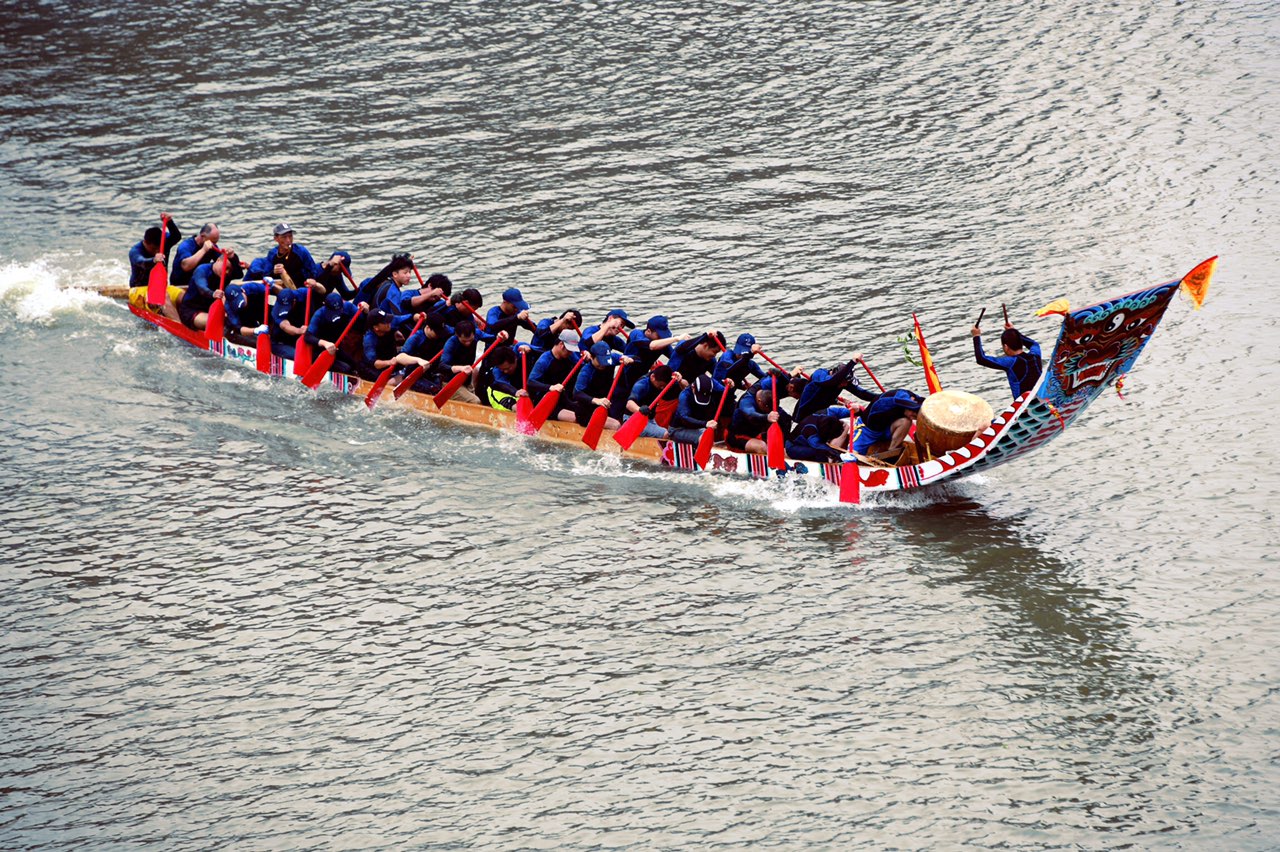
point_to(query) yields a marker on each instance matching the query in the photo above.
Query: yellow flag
(1196, 282)
(930, 374)
(1057, 306)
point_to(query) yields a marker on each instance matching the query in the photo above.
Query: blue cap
(603, 353)
(333, 301)
(346, 257)
(906, 399)
(626, 320)
(512, 295)
(659, 324)
(744, 344)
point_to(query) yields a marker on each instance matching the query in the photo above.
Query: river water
(239, 614)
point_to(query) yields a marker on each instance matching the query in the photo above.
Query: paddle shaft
(407, 382)
(871, 374)
(779, 366)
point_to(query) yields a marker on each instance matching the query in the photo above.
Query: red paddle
(626, 436)
(850, 484)
(595, 428)
(543, 409)
(301, 351)
(779, 366)
(158, 282)
(264, 337)
(322, 363)
(450, 389)
(777, 454)
(215, 323)
(702, 455)
(371, 399)
(871, 374)
(524, 405)
(407, 382)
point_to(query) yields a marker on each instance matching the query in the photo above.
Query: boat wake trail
(40, 291)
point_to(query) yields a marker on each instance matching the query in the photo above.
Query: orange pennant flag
(930, 374)
(1196, 282)
(1057, 306)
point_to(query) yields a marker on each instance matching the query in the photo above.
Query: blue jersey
(243, 304)
(1022, 370)
(186, 249)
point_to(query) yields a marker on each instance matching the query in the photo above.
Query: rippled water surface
(239, 614)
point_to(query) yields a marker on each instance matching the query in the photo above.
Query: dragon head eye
(1117, 322)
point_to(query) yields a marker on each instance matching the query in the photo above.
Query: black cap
(378, 316)
(701, 389)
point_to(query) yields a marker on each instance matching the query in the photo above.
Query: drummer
(1021, 361)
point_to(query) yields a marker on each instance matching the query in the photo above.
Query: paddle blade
(157, 284)
(777, 453)
(447, 392)
(626, 436)
(314, 376)
(543, 409)
(595, 428)
(371, 398)
(407, 382)
(524, 415)
(850, 486)
(702, 455)
(301, 357)
(214, 328)
(264, 353)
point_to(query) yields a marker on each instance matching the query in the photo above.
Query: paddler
(1021, 361)
(458, 355)
(145, 254)
(193, 251)
(509, 315)
(200, 294)
(327, 325)
(333, 274)
(751, 419)
(548, 330)
(289, 263)
(646, 345)
(459, 307)
(499, 381)
(739, 362)
(426, 343)
(691, 358)
(243, 304)
(550, 372)
(645, 393)
(612, 331)
(697, 409)
(289, 319)
(595, 381)
(825, 386)
(380, 348)
(885, 423)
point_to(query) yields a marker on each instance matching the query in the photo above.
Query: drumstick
(1006, 313)
(978, 321)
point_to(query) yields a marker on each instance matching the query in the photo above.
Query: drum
(948, 420)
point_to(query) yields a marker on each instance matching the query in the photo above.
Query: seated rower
(509, 315)
(426, 343)
(646, 345)
(289, 263)
(289, 319)
(595, 381)
(499, 381)
(691, 358)
(548, 330)
(204, 289)
(327, 325)
(824, 387)
(458, 355)
(696, 408)
(885, 423)
(396, 297)
(739, 362)
(193, 251)
(819, 437)
(243, 304)
(459, 307)
(749, 428)
(645, 393)
(381, 349)
(334, 274)
(550, 372)
(612, 331)
(1021, 361)
(145, 254)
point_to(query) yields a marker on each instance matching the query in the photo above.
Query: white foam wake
(41, 290)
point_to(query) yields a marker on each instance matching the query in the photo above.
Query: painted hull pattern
(1096, 346)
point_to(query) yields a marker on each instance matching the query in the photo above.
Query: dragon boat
(1096, 348)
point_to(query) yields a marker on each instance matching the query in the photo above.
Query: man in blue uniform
(612, 330)
(243, 304)
(326, 327)
(380, 348)
(739, 362)
(646, 391)
(884, 424)
(203, 289)
(595, 381)
(146, 252)
(549, 330)
(696, 410)
(193, 251)
(457, 357)
(691, 358)
(819, 438)
(1021, 360)
(509, 315)
(550, 372)
(749, 428)
(289, 262)
(646, 345)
